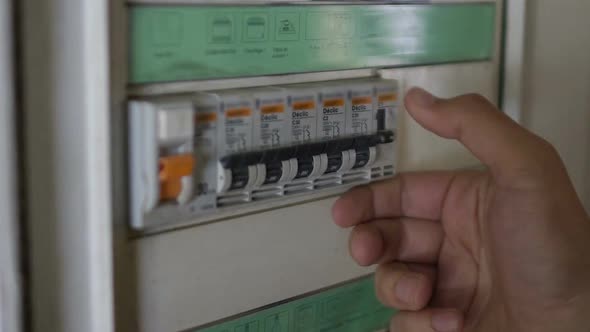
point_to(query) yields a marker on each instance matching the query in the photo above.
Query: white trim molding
(514, 53)
(68, 182)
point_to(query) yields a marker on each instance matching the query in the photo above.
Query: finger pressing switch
(176, 178)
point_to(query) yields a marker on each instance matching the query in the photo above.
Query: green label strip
(172, 43)
(349, 308)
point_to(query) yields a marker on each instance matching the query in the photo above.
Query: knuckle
(385, 283)
(547, 150)
(543, 157)
(542, 162)
(537, 162)
(379, 280)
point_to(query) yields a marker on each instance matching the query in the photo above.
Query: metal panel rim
(282, 2)
(140, 90)
(168, 88)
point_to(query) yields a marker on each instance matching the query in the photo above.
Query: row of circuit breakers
(197, 157)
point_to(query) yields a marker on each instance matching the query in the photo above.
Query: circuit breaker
(197, 156)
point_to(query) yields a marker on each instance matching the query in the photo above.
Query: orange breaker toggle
(172, 170)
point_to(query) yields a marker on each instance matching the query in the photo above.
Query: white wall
(557, 83)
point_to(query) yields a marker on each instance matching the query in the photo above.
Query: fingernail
(446, 321)
(407, 287)
(421, 97)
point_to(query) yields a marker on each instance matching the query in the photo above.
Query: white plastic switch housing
(252, 177)
(286, 168)
(145, 189)
(372, 156)
(260, 175)
(348, 161)
(187, 190)
(320, 165)
(293, 169)
(224, 178)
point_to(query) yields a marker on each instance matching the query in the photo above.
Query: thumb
(505, 147)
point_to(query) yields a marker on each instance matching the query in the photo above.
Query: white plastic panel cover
(183, 278)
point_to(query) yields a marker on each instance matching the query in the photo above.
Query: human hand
(501, 250)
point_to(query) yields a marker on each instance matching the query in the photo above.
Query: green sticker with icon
(351, 307)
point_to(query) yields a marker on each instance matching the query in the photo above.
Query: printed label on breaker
(272, 124)
(333, 118)
(238, 129)
(361, 122)
(303, 120)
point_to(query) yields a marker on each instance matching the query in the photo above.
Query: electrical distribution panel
(195, 157)
(238, 109)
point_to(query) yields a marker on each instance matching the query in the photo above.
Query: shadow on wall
(557, 83)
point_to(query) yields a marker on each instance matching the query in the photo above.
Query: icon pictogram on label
(287, 26)
(255, 27)
(278, 322)
(221, 29)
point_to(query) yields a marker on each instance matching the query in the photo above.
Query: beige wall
(557, 83)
